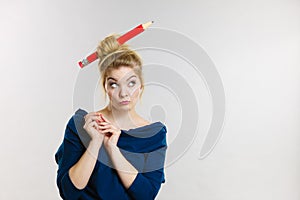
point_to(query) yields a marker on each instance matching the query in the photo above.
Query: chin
(126, 107)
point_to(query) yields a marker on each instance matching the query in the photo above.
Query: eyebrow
(117, 80)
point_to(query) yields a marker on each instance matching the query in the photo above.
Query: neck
(122, 118)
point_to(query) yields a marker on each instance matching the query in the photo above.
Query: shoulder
(149, 130)
(73, 136)
(74, 128)
(77, 119)
(161, 134)
(159, 126)
(144, 139)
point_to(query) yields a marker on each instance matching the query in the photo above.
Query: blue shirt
(144, 147)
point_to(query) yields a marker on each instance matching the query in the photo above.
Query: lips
(124, 102)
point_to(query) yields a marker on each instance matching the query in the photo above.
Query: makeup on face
(122, 86)
(113, 82)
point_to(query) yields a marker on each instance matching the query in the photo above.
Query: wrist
(97, 139)
(95, 143)
(111, 146)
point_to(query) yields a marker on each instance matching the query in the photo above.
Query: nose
(123, 92)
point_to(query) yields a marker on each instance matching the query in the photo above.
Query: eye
(113, 85)
(132, 83)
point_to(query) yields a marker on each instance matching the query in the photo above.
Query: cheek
(112, 94)
(136, 92)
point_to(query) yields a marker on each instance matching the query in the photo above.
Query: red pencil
(122, 39)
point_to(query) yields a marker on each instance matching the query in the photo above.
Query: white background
(255, 46)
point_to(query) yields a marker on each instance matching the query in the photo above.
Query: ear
(105, 87)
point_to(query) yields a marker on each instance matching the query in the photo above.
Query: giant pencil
(122, 39)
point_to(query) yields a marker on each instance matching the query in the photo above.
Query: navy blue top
(144, 147)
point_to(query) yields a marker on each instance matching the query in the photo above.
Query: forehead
(122, 73)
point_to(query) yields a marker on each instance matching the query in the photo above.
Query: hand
(92, 127)
(111, 133)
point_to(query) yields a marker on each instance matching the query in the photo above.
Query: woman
(113, 153)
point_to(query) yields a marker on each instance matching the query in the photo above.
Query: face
(123, 87)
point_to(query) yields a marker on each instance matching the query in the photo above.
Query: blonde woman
(113, 153)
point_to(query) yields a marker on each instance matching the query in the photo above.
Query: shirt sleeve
(147, 184)
(67, 155)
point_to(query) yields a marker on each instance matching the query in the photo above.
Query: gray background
(254, 45)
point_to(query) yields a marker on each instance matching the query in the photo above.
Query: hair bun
(109, 45)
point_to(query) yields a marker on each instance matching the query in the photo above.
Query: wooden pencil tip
(146, 25)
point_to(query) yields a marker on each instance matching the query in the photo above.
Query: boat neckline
(131, 129)
(141, 127)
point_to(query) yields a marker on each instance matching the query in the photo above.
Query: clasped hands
(100, 128)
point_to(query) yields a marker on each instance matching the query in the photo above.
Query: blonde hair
(112, 55)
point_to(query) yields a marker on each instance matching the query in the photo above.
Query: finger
(104, 118)
(89, 120)
(102, 127)
(105, 126)
(104, 123)
(111, 131)
(110, 125)
(109, 134)
(107, 130)
(99, 116)
(91, 114)
(92, 118)
(92, 125)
